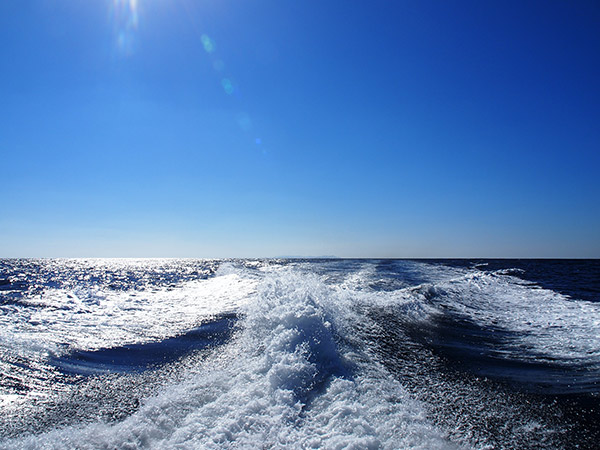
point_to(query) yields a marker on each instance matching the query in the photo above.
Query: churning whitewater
(389, 354)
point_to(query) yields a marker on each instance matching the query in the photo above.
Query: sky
(222, 128)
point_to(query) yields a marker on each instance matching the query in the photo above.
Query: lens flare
(228, 86)
(126, 18)
(213, 53)
(207, 43)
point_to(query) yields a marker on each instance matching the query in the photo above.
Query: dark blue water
(577, 278)
(475, 353)
(133, 358)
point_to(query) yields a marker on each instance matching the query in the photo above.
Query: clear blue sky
(220, 128)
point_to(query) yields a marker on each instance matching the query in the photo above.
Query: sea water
(332, 353)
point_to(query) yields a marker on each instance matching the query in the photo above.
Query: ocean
(292, 353)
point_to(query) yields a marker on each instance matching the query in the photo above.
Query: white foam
(542, 324)
(284, 381)
(92, 318)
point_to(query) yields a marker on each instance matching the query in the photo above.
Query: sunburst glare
(125, 18)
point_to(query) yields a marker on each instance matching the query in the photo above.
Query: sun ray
(126, 18)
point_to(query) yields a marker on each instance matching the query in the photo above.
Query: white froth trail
(91, 319)
(544, 325)
(284, 381)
